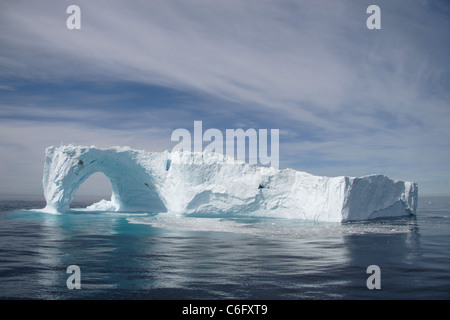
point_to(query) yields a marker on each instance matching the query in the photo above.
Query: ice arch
(132, 186)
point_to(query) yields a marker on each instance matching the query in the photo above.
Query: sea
(143, 256)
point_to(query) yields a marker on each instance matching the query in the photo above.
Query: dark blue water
(124, 256)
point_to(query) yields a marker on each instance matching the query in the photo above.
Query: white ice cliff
(211, 183)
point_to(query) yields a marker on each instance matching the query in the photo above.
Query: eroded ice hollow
(211, 183)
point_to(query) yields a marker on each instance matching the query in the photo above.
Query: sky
(347, 100)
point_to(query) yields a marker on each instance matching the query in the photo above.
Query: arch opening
(95, 188)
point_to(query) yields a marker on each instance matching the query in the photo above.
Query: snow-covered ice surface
(193, 184)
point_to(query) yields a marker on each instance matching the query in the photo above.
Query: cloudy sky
(347, 100)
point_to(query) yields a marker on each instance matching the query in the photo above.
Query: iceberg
(208, 183)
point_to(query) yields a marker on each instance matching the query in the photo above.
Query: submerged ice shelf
(211, 183)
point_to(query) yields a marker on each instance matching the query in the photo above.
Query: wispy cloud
(356, 99)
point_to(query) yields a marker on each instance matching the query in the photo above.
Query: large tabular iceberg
(211, 183)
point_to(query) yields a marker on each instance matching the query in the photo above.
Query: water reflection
(151, 257)
(73, 239)
(303, 261)
(239, 262)
(395, 251)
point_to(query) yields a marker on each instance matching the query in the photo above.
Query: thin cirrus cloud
(352, 100)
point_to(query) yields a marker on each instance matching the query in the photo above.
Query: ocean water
(146, 256)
